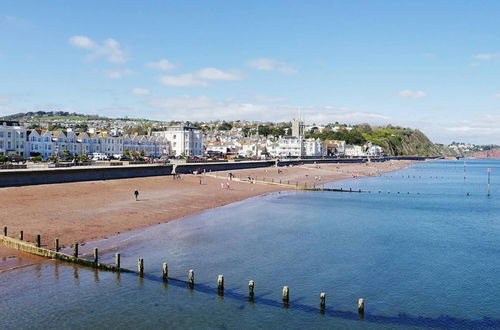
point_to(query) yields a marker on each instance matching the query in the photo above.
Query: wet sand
(84, 211)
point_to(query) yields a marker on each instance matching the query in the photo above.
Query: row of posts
(220, 278)
(251, 285)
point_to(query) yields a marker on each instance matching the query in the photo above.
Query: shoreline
(86, 211)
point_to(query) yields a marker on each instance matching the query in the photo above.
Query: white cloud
(140, 91)
(497, 95)
(269, 64)
(183, 80)
(205, 108)
(109, 49)
(118, 74)
(5, 99)
(269, 99)
(412, 94)
(216, 74)
(199, 78)
(163, 64)
(486, 56)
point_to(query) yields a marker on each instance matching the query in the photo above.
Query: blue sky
(432, 65)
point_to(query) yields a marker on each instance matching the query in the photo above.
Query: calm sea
(421, 247)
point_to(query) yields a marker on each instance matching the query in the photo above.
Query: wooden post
(220, 283)
(322, 300)
(56, 244)
(165, 272)
(286, 294)
(361, 306)
(96, 255)
(75, 250)
(191, 277)
(38, 241)
(140, 266)
(21, 235)
(251, 285)
(5, 231)
(117, 260)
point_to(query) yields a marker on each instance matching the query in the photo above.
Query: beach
(84, 211)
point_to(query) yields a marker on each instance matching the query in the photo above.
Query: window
(1, 134)
(9, 135)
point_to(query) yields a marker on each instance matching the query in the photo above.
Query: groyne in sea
(35, 176)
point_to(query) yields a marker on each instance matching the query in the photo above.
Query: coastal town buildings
(184, 140)
(12, 138)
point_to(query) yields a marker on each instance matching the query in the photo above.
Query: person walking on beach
(136, 194)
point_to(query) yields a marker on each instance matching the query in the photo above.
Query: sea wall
(10, 178)
(23, 177)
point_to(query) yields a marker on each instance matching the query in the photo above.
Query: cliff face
(493, 153)
(398, 141)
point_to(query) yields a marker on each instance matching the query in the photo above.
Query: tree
(66, 155)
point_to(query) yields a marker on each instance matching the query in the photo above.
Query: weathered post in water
(165, 272)
(361, 306)
(21, 235)
(38, 241)
(191, 277)
(75, 250)
(117, 260)
(220, 284)
(5, 231)
(251, 285)
(322, 300)
(140, 267)
(96, 255)
(56, 244)
(286, 294)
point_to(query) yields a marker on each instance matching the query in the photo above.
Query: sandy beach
(83, 211)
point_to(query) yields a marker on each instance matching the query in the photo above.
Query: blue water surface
(420, 245)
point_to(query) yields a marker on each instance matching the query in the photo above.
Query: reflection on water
(418, 260)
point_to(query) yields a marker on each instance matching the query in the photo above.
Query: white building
(313, 148)
(354, 151)
(184, 140)
(290, 146)
(12, 138)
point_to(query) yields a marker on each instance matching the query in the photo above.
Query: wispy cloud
(109, 49)
(412, 94)
(486, 56)
(5, 99)
(118, 74)
(183, 80)
(216, 74)
(163, 64)
(199, 78)
(206, 108)
(269, 64)
(140, 91)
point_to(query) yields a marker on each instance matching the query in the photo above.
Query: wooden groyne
(36, 249)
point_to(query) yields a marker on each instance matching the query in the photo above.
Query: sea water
(420, 245)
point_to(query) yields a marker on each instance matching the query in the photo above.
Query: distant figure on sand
(136, 193)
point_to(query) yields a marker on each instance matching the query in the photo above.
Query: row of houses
(294, 147)
(16, 139)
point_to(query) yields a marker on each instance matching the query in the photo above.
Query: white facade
(12, 138)
(290, 146)
(354, 151)
(313, 148)
(184, 140)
